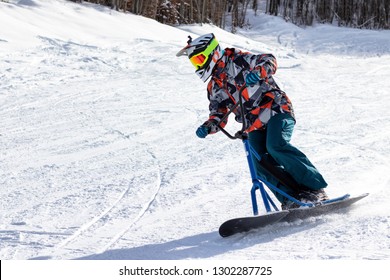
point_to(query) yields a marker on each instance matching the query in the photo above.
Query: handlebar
(241, 133)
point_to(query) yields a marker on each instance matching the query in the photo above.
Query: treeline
(185, 11)
(373, 14)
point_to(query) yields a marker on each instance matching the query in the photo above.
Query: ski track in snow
(99, 159)
(96, 226)
(83, 234)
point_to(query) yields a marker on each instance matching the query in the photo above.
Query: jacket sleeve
(266, 64)
(217, 106)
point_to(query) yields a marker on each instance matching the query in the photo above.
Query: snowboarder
(269, 113)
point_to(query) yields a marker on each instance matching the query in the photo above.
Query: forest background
(367, 14)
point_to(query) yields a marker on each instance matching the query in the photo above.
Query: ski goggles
(201, 58)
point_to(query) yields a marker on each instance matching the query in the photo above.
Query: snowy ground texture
(98, 153)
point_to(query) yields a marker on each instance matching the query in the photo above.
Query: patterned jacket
(261, 101)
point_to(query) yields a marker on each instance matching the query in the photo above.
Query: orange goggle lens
(198, 60)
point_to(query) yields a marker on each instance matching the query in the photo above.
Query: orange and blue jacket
(261, 101)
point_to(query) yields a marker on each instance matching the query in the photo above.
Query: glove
(208, 127)
(252, 78)
(202, 131)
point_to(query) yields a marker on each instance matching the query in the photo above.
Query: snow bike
(273, 214)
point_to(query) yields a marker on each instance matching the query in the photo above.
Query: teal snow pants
(274, 144)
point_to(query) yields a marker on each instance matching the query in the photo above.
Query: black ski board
(245, 224)
(321, 209)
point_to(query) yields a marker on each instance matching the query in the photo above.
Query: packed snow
(99, 157)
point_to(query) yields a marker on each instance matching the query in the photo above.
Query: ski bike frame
(260, 183)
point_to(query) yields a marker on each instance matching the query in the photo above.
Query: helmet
(203, 52)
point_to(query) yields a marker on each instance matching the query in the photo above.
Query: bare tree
(353, 13)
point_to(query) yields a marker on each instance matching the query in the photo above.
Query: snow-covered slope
(99, 159)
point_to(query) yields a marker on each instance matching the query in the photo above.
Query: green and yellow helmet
(203, 52)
